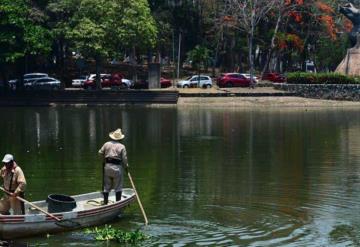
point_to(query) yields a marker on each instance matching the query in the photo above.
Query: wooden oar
(60, 222)
(137, 197)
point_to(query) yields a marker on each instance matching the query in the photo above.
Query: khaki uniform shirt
(114, 149)
(15, 177)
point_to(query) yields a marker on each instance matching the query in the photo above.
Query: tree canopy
(288, 33)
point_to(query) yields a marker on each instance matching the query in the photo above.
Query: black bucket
(60, 203)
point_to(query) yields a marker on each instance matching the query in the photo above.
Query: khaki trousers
(113, 177)
(8, 202)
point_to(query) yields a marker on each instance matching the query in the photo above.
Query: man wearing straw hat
(115, 160)
(14, 183)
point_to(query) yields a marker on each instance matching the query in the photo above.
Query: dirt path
(263, 102)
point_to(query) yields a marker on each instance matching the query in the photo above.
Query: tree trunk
(133, 63)
(272, 46)
(97, 69)
(4, 76)
(251, 40)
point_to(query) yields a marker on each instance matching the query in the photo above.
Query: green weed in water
(109, 233)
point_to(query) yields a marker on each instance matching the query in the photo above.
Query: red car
(164, 83)
(144, 84)
(107, 80)
(274, 77)
(233, 80)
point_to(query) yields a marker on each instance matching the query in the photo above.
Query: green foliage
(108, 233)
(101, 27)
(200, 55)
(329, 53)
(319, 78)
(134, 25)
(88, 29)
(21, 31)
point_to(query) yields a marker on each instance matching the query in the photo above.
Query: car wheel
(186, 86)
(207, 86)
(123, 86)
(229, 84)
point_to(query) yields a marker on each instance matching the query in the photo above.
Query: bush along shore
(331, 86)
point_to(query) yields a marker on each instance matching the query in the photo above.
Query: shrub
(320, 78)
(108, 233)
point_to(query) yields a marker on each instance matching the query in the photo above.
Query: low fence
(349, 92)
(69, 97)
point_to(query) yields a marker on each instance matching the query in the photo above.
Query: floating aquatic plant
(109, 233)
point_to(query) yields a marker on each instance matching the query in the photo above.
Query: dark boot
(106, 197)
(118, 196)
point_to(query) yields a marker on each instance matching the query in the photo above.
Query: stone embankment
(263, 95)
(323, 91)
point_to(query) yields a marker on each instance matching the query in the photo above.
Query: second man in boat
(115, 160)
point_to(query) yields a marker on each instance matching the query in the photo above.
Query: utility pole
(173, 57)
(179, 52)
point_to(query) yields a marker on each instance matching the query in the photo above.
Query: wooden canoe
(88, 212)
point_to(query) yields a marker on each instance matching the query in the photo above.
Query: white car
(127, 82)
(27, 79)
(248, 76)
(79, 82)
(193, 81)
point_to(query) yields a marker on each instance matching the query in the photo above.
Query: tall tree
(199, 56)
(22, 33)
(101, 27)
(245, 15)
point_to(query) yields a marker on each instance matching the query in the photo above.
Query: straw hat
(116, 135)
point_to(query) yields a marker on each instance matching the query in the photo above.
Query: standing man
(15, 183)
(115, 160)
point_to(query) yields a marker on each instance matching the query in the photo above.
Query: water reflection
(221, 177)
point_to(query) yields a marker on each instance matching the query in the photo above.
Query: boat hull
(36, 223)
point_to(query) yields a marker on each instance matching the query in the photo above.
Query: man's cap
(7, 158)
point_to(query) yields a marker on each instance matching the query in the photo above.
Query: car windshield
(188, 79)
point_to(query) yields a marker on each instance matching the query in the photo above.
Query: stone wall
(323, 91)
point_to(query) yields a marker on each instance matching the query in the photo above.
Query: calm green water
(206, 177)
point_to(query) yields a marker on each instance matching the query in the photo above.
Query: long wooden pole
(32, 204)
(138, 198)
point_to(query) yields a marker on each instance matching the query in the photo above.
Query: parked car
(79, 82)
(248, 76)
(126, 82)
(164, 83)
(144, 84)
(27, 78)
(46, 83)
(106, 80)
(274, 77)
(202, 81)
(90, 81)
(233, 80)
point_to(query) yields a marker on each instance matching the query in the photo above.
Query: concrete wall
(323, 91)
(154, 75)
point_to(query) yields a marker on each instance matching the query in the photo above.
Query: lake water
(206, 177)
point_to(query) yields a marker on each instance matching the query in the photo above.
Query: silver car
(27, 78)
(79, 82)
(47, 83)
